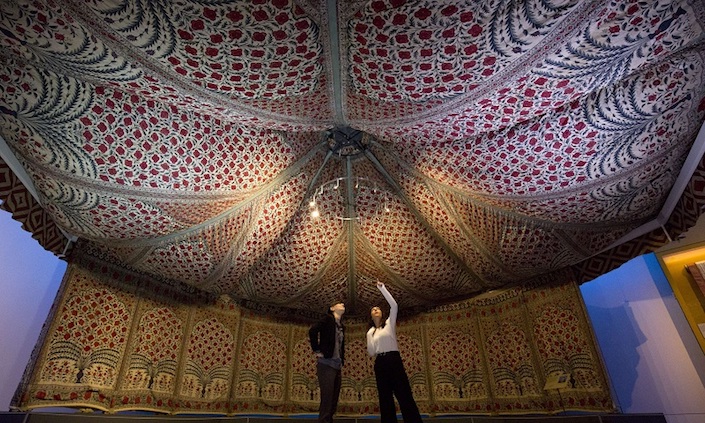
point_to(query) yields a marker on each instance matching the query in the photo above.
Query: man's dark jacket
(322, 336)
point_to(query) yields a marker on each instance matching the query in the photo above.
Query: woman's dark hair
(372, 322)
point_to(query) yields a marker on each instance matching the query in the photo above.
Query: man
(328, 344)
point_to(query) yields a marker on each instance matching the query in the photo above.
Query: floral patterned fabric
(499, 140)
(111, 345)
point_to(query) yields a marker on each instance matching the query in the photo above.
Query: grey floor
(44, 417)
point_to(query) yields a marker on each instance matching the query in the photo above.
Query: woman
(392, 380)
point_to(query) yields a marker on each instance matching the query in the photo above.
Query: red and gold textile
(112, 344)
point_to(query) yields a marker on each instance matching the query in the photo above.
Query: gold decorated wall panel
(112, 344)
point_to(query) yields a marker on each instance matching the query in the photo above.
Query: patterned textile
(689, 208)
(112, 344)
(686, 213)
(500, 140)
(17, 200)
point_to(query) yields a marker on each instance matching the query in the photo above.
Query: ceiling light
(341, 197)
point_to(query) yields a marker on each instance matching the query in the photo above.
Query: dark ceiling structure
(292, 152)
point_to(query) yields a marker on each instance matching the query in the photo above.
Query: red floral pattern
(90, 333)
(455, 366)
(467, 357)
(209, 357)
(154, 360)
(183, 139)
(261, 365)
(509, 351)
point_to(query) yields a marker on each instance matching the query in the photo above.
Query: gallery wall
(652, 358)
(29, 279)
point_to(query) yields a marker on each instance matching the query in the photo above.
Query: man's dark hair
(329, 311)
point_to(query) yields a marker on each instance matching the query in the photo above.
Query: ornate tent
(448, 147)
(198, 160)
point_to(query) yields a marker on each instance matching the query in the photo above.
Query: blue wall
(652, 357)
(29, 280)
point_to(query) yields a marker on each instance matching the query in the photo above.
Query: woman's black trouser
(392, 381)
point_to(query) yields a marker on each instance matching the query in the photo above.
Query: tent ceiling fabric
(473, 144)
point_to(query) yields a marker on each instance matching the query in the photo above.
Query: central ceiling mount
(346, 141)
